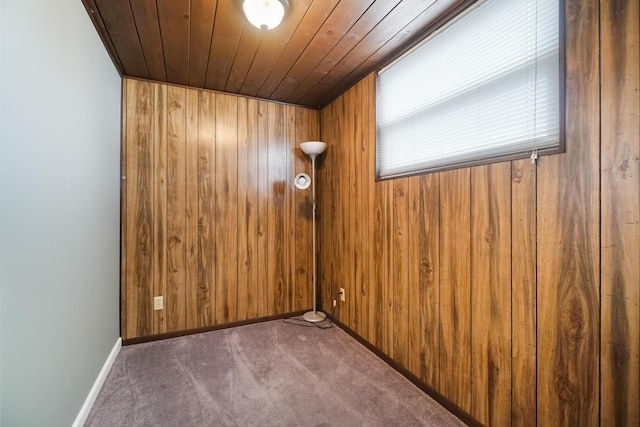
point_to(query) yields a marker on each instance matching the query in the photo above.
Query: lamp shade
(313, 148)
(264, 14)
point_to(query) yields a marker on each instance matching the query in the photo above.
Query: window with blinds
(485, 87)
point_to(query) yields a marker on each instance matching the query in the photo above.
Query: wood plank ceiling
(320, 50)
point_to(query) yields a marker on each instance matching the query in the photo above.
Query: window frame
(440, 25)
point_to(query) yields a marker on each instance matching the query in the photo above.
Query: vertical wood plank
(200, 30)
(341, 262)
(263, 208)
(289, 208)
(455, 287)
(327, 202)
(365, 128)
(424, 294)
(491, 293)
(175, 303)
(386, 266)
(569, 240)
(226, 208)
(174, 20)
(191, 210)
(247, 208)
(400, 271)
(620, 213)
(277, 169)
(303, 219)
(369, 143)
(160, 202)
(139, 212)
(523, 293)
(353, 273)
(206, 297)
(124, 240)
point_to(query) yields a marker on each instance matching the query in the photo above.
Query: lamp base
(314, 316)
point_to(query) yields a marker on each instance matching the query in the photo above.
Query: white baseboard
(97, 385)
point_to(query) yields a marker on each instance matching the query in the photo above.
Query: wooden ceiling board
(227, 30)
(321, 48)
(92, 10)
(366, 23)
(174, 17)
(314, 18)
(203, 13)
(249, 44)
(145, 15)
(274, 42)
(118, 20)
(339, 23)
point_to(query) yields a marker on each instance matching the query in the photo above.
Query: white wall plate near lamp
(302, 181)
(265, 14)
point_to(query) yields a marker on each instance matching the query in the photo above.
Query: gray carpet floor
(266, 374)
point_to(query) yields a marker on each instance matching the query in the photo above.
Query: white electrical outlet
(158, 303)
(343, 295)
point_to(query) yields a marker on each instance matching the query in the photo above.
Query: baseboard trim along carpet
(448, 404)
(97, 385)
(157, 337)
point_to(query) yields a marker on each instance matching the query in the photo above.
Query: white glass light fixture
(312, 149)
(264, 14)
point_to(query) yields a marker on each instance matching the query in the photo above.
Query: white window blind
(485, 86)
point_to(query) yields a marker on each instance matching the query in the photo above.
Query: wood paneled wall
(512, 289)
(210, 217)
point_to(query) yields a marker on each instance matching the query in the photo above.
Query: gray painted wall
(59, 210)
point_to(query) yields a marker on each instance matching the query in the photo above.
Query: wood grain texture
(138, 216)
(175, 303)
(400, 350)
(523, 293)
(424, 330)
(120, 29)
(289, 206)
(206, 295)
(193, 231)
(124, 239)
(226, 208)
(620, 213)
(455, 287)
(201, 21)
(160, 202)
(145, 14)
(247, 209)
(490, 294)
(314, 17)
(227, 29)
(568, 215)
(191, 209)
(263, 205)
(277, 269)
(174, 19)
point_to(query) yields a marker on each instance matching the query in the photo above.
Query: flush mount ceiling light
(265, 14)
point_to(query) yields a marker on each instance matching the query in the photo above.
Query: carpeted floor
(267, 374)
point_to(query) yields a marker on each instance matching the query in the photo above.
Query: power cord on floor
(325, 324)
